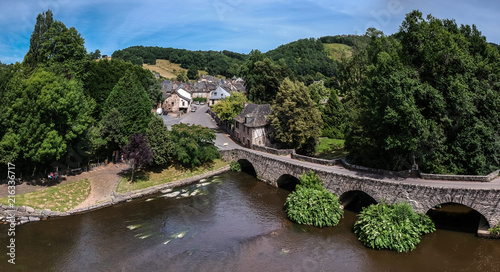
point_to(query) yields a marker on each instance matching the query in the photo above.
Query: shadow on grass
(139, 175)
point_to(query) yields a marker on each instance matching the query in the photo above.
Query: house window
(237, 125)
(183, 103)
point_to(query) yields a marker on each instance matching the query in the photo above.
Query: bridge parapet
(422, 195)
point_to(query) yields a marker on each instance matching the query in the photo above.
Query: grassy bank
(58, 198)
(147, 178)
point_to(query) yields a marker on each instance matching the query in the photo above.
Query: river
(230, 222)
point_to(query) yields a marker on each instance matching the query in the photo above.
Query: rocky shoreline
(25, 214)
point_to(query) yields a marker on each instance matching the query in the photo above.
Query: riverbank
(104, 194)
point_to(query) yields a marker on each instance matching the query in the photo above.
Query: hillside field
(337, 50)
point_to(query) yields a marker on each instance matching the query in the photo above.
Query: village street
(201, 117)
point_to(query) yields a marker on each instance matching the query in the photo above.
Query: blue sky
(236, 25)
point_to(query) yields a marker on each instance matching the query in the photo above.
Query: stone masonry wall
(421, 197)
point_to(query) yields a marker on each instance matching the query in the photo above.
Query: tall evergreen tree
(43, 23)
(333, 117)
(160, 141)
(131, 100)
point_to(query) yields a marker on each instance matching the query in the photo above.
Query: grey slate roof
(219, 93)
(257, 115)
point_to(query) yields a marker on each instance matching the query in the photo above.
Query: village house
(179, 100)
(251, 125)
(218, 94)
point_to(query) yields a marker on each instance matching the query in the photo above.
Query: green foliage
(108, 135)
(431, 92)
(395, 227)
(193, 72)
(61, 44)
(495, 231)
(131, 100)
(200, 99)
(312, 204)
(160, 141)
(310, 180)
(328, 144)
(182, 77)
(230, 107)
(295, 119)
(263, 77)
(305, 57)
(214, 62)
(47, 114)
(137, 153)
(194, 145)
(235, 166)
(333, 118)
(44, 21)
(100, 77)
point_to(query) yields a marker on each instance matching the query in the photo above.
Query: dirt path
(102, 184)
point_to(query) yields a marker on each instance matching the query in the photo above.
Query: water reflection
(228, 223)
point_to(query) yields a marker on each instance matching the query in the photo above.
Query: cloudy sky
(236, 25)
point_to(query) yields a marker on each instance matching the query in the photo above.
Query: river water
(231, 222)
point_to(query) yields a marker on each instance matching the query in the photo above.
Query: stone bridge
(423, 195)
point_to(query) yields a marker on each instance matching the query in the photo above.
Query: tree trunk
(132, 177)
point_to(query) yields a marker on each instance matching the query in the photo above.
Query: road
(201, 117)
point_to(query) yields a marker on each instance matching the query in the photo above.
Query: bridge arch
(288, 182)
(446, 201)
(247, 167)
(356, 200)
(456, 216)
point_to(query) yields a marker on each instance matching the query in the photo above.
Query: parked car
(202, 103)
(193, 109)
(197, 102)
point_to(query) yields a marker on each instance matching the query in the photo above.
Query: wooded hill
(308, 59)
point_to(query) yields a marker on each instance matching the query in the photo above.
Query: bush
(200, 99)
(312, 204)
(395, 227)
(235, 166)
(495, 231)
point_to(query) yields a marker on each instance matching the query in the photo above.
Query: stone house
(251, 125)
(217, 95)
(178, 100)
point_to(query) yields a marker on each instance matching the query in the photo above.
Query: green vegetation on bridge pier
(392, 226)
(312, 204)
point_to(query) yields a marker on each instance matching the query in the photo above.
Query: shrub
(495, 231)
(395, 227)
(235, 166)
(312, 204)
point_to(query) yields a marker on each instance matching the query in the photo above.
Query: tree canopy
(295, 120)
(47, 114)
(130, 99)
(230, 107)
(429, 92)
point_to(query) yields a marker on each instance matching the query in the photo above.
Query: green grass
(58, 198)
(328, 145)
(337, 50)
(147, 178)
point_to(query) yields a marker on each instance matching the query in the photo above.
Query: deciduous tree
(137, 153)
(295, 120)
(194, 145)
